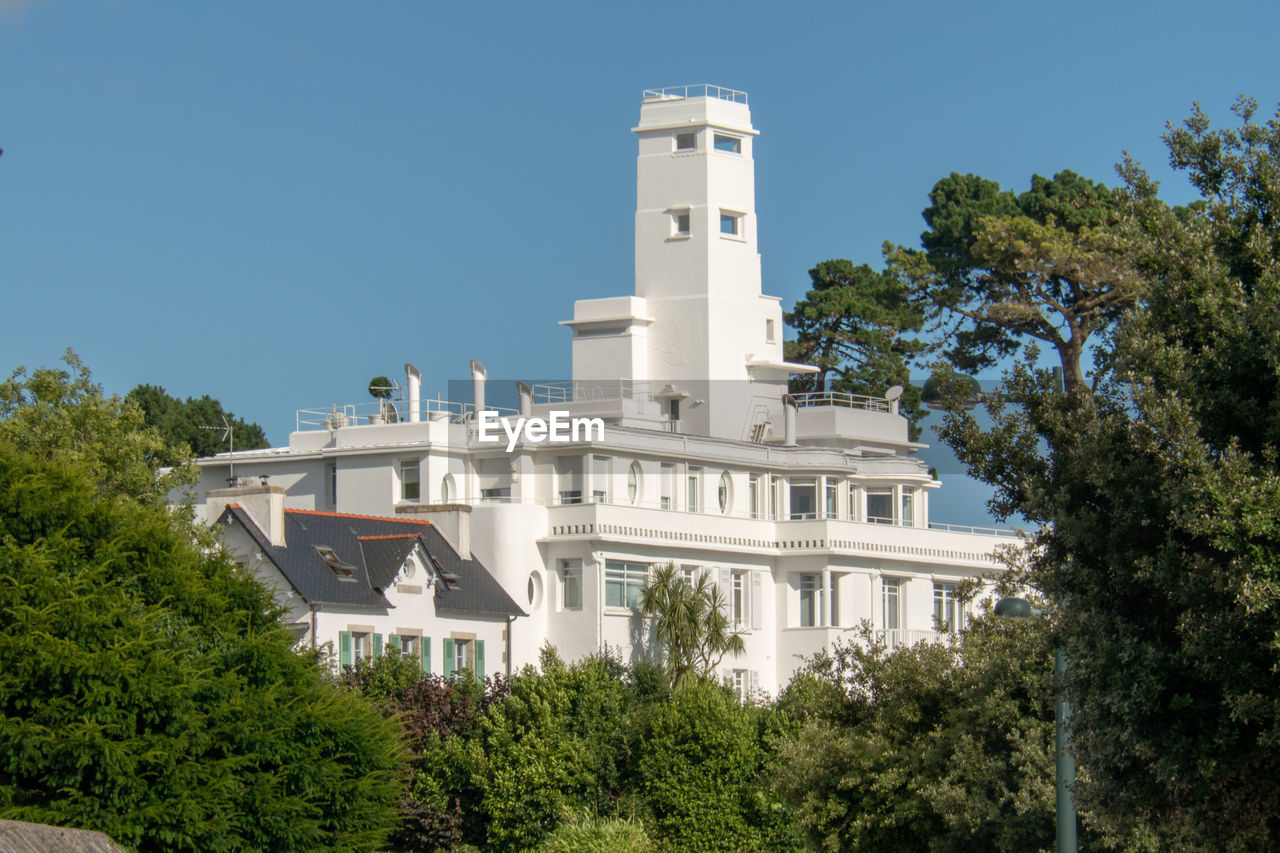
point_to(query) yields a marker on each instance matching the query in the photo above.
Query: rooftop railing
(374, 412)
(841, 398)
(577, 392)
(695, 90)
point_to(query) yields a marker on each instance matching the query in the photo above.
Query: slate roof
(370, 551)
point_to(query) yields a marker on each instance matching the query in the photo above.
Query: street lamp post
(1017, 608)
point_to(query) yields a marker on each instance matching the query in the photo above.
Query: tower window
(768, 331)
(686, 141)
(732, 144)
(680, 222)
(731, 224)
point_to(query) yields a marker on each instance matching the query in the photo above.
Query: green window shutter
(394, 640)
(344, 648)
(448, 657)
(426, 654)
(480, 660)
(377, 645)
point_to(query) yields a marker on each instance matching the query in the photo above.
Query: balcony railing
(897, 638)
(374, 412)
(585, 391)
(842, 399)
(695, 90)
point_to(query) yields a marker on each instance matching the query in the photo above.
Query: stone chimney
(263, 503)
(452, 520)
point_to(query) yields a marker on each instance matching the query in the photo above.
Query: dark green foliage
(1163, 548)
(181, 424)
(1000, 269)
(380, 388)
(853, 325)
(148, 691)
(931, 748)
(689, 623)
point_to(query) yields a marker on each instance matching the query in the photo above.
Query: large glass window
(810, 605)
(880, 506)
(804, 499)
(947, 612)
(409, 485)
(891, 603)
(624, 583)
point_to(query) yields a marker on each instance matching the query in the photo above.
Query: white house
(811, 512)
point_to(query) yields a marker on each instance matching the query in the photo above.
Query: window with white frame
(498, 494)
(832, 497)
(680, 222)
(690, 573)
(569, 479)
(804, 498)
(331, 484)
(463, 655)
(624, 583)
(730, 144)
(880, 506)
(447, 490)
(810, 600)
(361, 645)
(691, 502)
(739, 599)
(633, 483)
(666, 483)
(908, 506)
(833, 596)
(730, 224)
(753, 495)
(410, 645)
(724, 492)
(686, 141)
(948, 614)
(570, 584)
(410, 490)
(769, 331)
(601, 472)
(891, 617)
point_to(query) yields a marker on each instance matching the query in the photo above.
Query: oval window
(726, 486)
(633, 482)
(446, 489)
(534, 589)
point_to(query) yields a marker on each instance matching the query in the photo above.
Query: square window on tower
(686, 141)
(731, 144)
(680, 222)
(730, 224)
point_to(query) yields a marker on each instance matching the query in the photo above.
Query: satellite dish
(893, 393)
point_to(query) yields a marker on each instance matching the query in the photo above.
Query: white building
(812, 513)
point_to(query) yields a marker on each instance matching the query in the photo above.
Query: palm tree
(690, 621)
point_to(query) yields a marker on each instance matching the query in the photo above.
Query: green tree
(690, 622)
(149, 691)
(852, 326)
(182, 424)
(62, 414)
(1000, 269)
(1162, 509)
(935, 747)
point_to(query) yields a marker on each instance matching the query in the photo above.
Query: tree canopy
(184, 424)
(148, 689)
(1161, 501)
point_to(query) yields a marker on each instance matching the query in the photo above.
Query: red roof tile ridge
(389, 536)
(355, 515)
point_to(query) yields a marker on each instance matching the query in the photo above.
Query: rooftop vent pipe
(789, 419)
(526, 399)
(478, 376)
(413, 379)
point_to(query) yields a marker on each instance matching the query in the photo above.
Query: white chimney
(526, 399)
(478, 376)
(264, 504)
(413, 379)
(452, 520)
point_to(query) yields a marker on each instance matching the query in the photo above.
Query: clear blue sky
(273, 202)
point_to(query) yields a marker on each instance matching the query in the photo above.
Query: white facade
(812, 513)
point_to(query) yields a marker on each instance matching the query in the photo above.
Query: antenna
(228, 435)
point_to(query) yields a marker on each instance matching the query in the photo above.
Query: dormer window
(731, 144)
(344, 571)
(686, 141)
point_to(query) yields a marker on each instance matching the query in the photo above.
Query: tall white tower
(698, 322)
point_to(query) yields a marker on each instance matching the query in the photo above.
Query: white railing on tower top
(841, 398)
(695, 90)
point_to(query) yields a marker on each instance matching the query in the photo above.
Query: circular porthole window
(534, 590)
